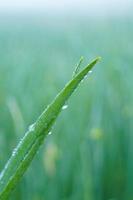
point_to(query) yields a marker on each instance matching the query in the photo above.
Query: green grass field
(89, 156)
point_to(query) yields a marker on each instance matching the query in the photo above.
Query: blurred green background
(89, 156)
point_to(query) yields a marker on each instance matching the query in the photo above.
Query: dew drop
(14, 152)
(32, 127)
(85, 76)
(64, 107)
(50, 133)
(20, 143)
(90, 71)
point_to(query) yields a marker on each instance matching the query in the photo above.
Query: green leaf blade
(27, 148)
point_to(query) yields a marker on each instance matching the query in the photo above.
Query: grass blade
(78, 66)
(34, 137)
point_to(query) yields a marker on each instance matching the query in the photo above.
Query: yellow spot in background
(51, 155)
(96, 133)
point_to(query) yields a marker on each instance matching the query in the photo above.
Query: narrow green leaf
(34, 137)
(78, 66)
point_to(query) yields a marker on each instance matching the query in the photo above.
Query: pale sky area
(66, 6)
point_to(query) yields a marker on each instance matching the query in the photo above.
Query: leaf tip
(98, 58)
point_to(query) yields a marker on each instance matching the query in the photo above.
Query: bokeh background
(89, 156)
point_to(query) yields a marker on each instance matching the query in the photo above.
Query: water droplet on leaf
(85, 76)
(64, 107)
(32, 127)
(14, 152)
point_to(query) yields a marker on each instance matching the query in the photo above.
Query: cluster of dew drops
(63, 108)
(32, 126)
(66, 106)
